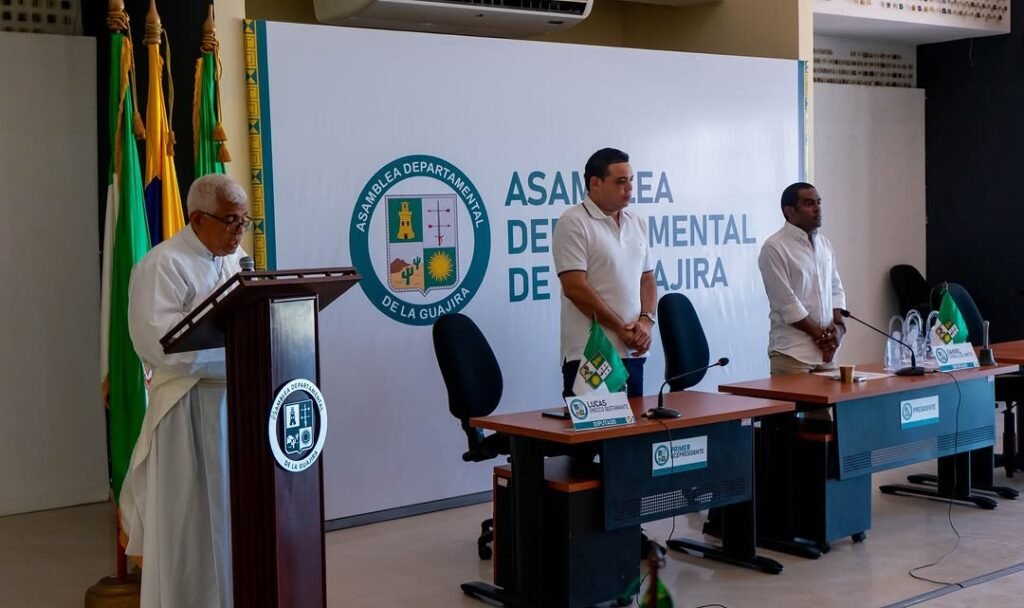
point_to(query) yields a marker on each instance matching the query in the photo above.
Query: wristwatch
(649, 317)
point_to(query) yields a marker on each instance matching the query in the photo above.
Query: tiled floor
(48, 560)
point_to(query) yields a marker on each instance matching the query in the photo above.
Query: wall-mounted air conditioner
(502, 18)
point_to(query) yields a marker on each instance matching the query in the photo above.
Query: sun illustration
(440, 266)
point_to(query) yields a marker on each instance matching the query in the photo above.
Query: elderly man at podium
(175, 503)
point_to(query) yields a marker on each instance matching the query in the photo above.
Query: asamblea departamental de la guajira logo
(420, 238)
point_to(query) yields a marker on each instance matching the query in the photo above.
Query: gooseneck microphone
(913, 370)
(666, 412)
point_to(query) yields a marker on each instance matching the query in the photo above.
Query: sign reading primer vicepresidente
(679, 455)
(420, 238)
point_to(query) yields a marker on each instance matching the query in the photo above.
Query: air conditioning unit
(498, 18)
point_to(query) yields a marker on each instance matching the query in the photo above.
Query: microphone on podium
(913, 370)
(666, 412)
(247, 264)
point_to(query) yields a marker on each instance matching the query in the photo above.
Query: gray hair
(208, 189)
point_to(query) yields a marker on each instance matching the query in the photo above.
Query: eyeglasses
(232, 222)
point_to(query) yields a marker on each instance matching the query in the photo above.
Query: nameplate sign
(955, 356)
(919, 412)
(679, 455)
(597, 411)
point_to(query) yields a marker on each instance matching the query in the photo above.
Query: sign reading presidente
(420, 238)
(297, 427)
(918, 412)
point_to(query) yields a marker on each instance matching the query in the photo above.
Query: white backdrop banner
(438, 166)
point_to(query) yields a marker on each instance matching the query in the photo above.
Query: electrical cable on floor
(672, 460)
(636, 596)
(949, 511)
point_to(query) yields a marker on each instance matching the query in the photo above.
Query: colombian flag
(163, 199)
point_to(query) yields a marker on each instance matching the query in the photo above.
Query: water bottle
(912, 336)
(929, 328)
(893, 351)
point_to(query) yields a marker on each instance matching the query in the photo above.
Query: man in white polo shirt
(805, 293)
(605, 268)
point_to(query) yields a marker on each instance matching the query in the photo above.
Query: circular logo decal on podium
(908, 410)
(941, 355)
(298, 425)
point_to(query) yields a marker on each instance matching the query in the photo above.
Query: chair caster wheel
(858, 537)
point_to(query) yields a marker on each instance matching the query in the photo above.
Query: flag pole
(122, 589)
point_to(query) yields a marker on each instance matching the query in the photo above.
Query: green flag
(657, 597)
(951, 328)
(126, 240)
(601, 369)
(205, 119)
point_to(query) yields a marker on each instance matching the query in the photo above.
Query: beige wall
(754, 28)
(295, 11)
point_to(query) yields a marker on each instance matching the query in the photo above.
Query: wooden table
(1011, 390)
(626, 463)
(871, 435)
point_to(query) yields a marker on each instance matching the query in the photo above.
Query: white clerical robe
(175, 501)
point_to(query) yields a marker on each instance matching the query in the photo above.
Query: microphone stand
(666, 412)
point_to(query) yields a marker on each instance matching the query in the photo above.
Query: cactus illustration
(416, 262)
(407, 274)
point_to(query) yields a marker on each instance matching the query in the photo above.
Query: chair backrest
(968, 310)
(468, 367)
(682, 337)
(910, 287)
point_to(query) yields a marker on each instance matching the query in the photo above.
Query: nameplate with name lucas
(955, 356)
(597, 411)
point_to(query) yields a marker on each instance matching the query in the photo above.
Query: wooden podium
(267, 323)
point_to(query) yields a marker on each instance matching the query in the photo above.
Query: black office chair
(473, 380)
(911, 289)
(683, 339)
(686, 348)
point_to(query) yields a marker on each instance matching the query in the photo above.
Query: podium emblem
(297, 426)
(420, 238)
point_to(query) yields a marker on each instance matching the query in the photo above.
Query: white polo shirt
(801, 280)
(613, 255)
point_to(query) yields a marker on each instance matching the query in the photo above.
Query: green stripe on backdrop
(263, 75)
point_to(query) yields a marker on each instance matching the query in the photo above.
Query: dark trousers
(634, 384)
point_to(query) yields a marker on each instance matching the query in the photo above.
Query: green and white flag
(951, 328)
(125, 241)
(601, 370)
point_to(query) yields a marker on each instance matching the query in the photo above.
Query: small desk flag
(601, 370)
(951, 328)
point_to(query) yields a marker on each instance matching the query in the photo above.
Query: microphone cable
(672, 531)
(672, 464)
(952, 497)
